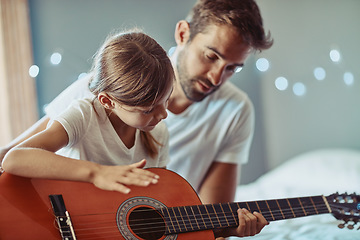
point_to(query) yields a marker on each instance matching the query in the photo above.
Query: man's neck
(178, 102)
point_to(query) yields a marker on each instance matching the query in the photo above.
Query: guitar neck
(224, 215)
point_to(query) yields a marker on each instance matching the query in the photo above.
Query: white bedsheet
(320, 172)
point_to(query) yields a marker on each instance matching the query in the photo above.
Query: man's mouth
(206, 88)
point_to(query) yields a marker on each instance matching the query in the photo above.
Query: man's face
(206, 62)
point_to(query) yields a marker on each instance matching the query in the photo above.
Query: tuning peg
(341, 225)
(350, 226)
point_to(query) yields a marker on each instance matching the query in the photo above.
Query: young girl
(132, 79)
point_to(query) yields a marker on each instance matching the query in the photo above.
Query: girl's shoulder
(85, 108)
(160, 132)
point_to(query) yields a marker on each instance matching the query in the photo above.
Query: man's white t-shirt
(93, 138)
(219, 128)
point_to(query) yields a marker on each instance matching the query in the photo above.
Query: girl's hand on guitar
(250, 224)
(117, 178)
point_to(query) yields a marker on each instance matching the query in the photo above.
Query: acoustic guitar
(52, 209)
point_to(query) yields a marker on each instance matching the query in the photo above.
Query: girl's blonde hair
(134, 70)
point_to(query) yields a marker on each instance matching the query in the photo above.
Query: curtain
(18, 108)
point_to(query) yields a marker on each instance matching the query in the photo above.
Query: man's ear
(106, 101)
(182, 32)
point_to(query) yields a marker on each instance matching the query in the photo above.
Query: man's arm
(219, 186)
(34, 129)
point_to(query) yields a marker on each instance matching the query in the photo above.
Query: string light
(34, 71)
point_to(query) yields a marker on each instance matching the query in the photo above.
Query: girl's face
(144, 118)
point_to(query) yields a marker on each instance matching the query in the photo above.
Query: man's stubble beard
(187, 83)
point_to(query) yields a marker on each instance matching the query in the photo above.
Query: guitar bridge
(62, 217)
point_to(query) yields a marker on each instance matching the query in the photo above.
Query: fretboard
(211, 216)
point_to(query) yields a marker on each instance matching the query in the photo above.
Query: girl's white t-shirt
(93, 138)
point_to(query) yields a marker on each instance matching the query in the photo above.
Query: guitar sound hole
(147, 223)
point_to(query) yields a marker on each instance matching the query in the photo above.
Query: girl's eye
(148, 111)
(211, 57)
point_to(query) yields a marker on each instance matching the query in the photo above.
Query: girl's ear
(182, 32)
(106, 101)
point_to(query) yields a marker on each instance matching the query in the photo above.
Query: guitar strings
(147, 230)
(206, 219)
(265, 213)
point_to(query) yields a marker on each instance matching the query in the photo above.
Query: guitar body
(26, 211)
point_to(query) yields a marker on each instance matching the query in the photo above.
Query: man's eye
(234, 69)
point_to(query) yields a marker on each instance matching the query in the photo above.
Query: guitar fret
(291, 208)
(282, 214)
(276, 212)
(181, 218)
(209, 214)
(226, 223)
(252, 207)
(302, 205)
(234, 207)
(267, 205)
(214, 216)
(265, 209)
(195, 217)
(258, 207)
(270, 210)
(232, 212)
(313, 204)
(320, 201)
(296, 207)
(285, 208)
(205, 216)
(171, 222)
(185, 212)
(310, 207)
(177, 221)
(200, 218)
(248, 206)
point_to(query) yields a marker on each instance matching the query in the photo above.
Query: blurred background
(305, 89)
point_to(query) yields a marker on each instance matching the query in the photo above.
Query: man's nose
(215, 75)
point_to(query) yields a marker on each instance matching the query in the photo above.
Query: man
(210, 121)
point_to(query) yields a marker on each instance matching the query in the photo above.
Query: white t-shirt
(219, 128)
(93, 138)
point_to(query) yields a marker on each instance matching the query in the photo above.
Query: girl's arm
(36, 157)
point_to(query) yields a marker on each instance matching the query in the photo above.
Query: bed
(318, 172)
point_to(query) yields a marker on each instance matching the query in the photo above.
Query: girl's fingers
(144, 174)
(140, 164)
(121, 188)
(118, 178)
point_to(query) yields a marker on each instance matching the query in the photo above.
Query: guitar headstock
(345, 207)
